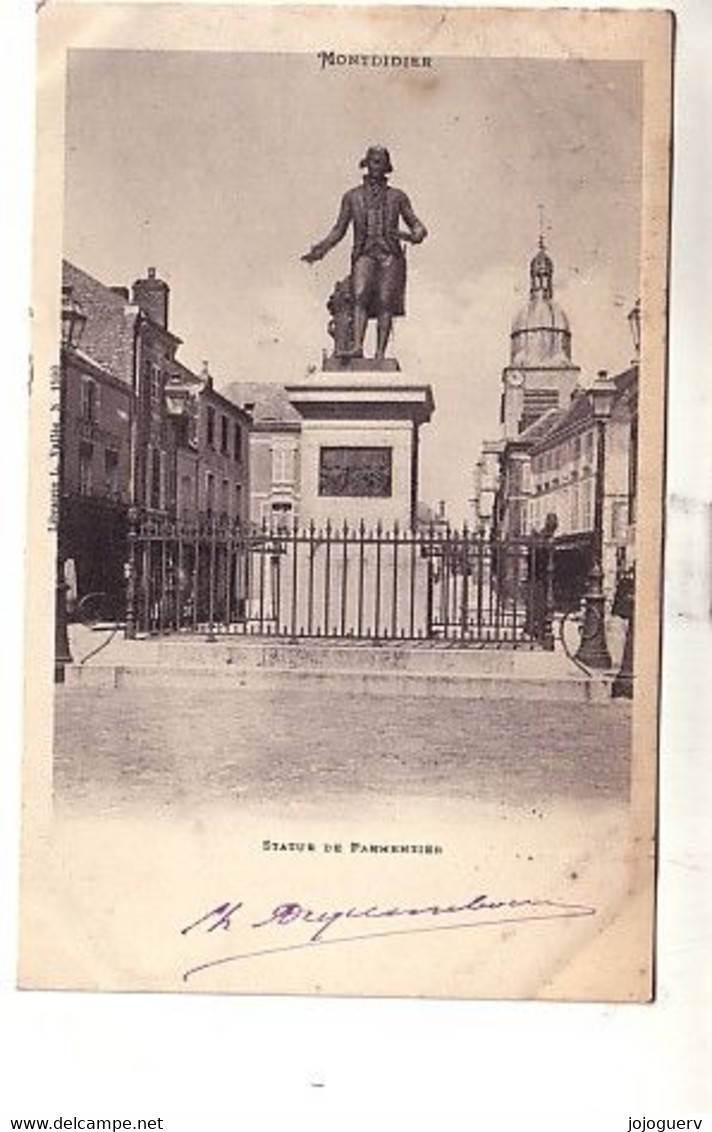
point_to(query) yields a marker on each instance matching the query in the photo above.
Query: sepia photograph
(348, 412)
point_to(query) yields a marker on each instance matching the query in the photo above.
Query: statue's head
(377, 161)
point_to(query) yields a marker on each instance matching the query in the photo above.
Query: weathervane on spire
(540, 208)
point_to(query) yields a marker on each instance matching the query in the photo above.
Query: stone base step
(475, 685)
(437, 659)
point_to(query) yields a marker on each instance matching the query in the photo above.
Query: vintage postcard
(347, 424)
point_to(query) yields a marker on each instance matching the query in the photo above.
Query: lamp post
(593, 649)
(634, 323)
(624, 606)
(73, 322)
(624, 602)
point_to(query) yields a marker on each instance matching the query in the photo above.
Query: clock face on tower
(515, 378)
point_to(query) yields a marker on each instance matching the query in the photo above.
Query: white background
(261, 1063)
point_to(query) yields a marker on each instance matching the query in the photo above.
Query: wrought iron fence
(339, 582)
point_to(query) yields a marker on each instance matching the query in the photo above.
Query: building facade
(94, 477)
(140, 434)
(485, 484)
(558, 456)
(212, 450)
(127, 335)
(574, 455)
(556, 467)
(274, 452)
(153, 439)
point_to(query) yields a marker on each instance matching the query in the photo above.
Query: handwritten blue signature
(514, 911)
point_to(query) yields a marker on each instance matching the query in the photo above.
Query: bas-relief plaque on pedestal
(355, 471)
(239, 804)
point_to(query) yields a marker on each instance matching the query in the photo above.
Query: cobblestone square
(183, 747)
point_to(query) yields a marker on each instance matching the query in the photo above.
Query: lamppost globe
(73, 319)
(602, 394)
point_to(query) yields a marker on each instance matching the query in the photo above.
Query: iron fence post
(210, 636)
(130, 630)
(464, 592)
(429, 584)
(624, 606)
(377, 591)
(344, 577)
(62, 651)
(547, 629)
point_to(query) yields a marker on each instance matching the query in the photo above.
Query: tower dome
(541, 335)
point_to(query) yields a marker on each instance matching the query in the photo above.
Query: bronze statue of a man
(378, 268)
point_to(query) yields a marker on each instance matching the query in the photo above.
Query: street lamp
(73, 323)
(593, 650)
(634, 323)
(73, 319)
(624, 601)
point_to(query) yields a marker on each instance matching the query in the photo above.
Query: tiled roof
(542, 426)
(270, 401)
(624, 381)
(108, 336)
(85, 361)
(209, 392)
(577, 414)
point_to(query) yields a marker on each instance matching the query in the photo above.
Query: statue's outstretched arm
(337, 233)
(418, 231)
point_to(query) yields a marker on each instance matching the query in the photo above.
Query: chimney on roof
(122, 292)
(151, 295)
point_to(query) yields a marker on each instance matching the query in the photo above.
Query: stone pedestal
(359, 445)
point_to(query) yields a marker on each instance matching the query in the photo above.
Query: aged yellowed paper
(341, 619)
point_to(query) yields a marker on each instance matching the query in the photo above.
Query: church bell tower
(540, 375)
